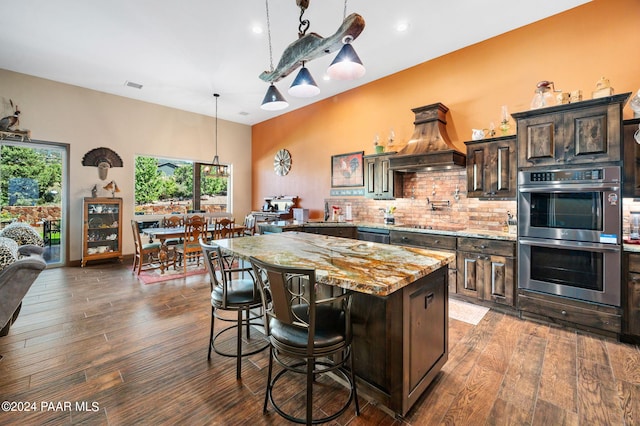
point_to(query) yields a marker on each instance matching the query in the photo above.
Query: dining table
(164, 234)
(399, 309)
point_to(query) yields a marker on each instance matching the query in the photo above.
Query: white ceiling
(184, 51)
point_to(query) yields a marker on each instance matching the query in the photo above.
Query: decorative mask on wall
(103, 159)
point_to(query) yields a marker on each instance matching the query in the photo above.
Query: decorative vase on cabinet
(102, 234)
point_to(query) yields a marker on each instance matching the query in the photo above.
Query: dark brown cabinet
(486, 270)
(445, 243)
(631, 186)
(491, 168)
(631, 320)
(344, 231)
(400, 341)
(601, 319)
(380, 182)
(578, 133)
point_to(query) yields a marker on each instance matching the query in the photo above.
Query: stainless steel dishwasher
(374, 235)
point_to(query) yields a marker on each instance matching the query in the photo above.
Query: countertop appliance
(570, 232)
(276, 208)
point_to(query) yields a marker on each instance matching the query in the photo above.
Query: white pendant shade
(347, 65)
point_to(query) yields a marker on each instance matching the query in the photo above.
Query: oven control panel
(567, 175)
(592, 175)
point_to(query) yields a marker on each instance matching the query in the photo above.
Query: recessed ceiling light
(132, 84)
(402, 26)
(243, 113)
(257, 29)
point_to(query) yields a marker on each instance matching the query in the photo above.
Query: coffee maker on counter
(277, 208)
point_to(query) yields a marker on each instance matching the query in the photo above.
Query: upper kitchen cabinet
(578, 133)
(491, 168)
(381, 183)
(631, 186)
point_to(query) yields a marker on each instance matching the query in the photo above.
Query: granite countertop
(468, 232)
(371, 268)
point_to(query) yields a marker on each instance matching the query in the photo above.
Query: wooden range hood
(430, 147)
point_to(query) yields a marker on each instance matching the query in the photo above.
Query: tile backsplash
(421, 191)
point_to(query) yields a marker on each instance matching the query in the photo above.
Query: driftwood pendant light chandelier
(346, 66)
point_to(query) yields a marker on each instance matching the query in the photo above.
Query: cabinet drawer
(592, 316)
(487, 246)
(445, 242)
(332, 231)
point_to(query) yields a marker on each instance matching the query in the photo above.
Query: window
(164, 186)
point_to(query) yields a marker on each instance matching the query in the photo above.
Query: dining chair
(173, 221)
(307, 335)
(224, 228)
(249, 225)
(195, 228)
(145, 253)
(229, 292)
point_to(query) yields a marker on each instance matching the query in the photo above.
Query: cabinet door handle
(428, 299)
(404, 238)
(436, 241)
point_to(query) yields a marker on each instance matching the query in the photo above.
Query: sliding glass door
(33, 187)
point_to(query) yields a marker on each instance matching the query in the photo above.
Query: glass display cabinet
(102, 235)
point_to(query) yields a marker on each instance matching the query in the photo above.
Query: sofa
(21, 262)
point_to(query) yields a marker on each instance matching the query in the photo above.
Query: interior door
(33, 189)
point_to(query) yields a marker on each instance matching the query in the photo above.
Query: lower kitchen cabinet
(445, 243)
(400, 342)
(601, 319)
(332, 231)
(631, 318)
(486, 270)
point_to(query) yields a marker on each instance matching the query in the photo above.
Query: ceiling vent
(132, 84)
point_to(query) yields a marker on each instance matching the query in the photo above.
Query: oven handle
(562, 189)
(578, 245)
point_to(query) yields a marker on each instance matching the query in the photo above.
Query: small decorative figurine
(603, 89)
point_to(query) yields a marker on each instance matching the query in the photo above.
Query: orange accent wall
(574, 49)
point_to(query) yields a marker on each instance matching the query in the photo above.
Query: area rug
(154, 276)
(466, 312)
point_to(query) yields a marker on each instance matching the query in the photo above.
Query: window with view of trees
(166, 186)
(30, 177)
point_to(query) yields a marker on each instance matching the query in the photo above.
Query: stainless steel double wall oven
(569, 232)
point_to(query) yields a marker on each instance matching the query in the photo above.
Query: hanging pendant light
(304, 86)
(273, 100)
(217, 169)
(347, 65)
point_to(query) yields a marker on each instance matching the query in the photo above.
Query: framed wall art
(347, 170)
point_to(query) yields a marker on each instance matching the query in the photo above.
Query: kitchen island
(400, 305)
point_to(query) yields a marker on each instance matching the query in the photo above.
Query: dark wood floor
(135, 353)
